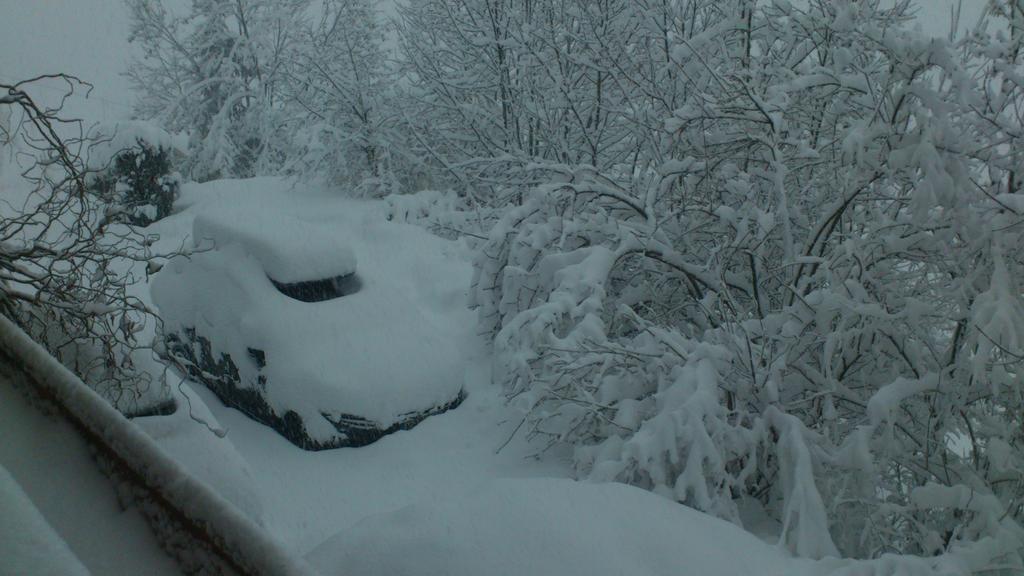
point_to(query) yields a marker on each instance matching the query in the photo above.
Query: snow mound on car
(377, 354)
(291, 250)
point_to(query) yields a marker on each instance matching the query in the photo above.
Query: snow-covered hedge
(806, 297)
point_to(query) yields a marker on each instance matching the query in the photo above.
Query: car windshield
(319, 290)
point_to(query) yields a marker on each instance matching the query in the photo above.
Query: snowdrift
(550, 526)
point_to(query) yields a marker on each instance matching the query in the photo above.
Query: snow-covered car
(271, 314)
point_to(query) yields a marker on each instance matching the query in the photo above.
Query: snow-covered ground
(548, 526)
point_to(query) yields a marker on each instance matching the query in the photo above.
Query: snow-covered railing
(200, 529)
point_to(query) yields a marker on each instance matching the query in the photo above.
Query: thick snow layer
(55, 469)
(549, 526)
(190, 436)
(28, 544)
(288, 249)
(378, 354)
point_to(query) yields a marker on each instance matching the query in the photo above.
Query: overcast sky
(84, 37)
(934, 14)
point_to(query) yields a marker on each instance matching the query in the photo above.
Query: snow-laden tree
(499, 90)
(455, 59)
(340, 81)
(800, 286)
(66, 271)
(216, 72)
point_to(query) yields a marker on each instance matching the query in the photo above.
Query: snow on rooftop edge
(191, 497)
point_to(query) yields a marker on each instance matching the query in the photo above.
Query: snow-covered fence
(199, 528)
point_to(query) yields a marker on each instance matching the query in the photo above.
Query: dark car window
(320, 290)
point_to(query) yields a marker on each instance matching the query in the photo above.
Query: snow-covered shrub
(136, 174)
(802, 289)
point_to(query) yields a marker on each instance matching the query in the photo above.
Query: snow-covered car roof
(291, 250)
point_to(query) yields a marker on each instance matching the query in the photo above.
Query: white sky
(935, 14)
(88, 38)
